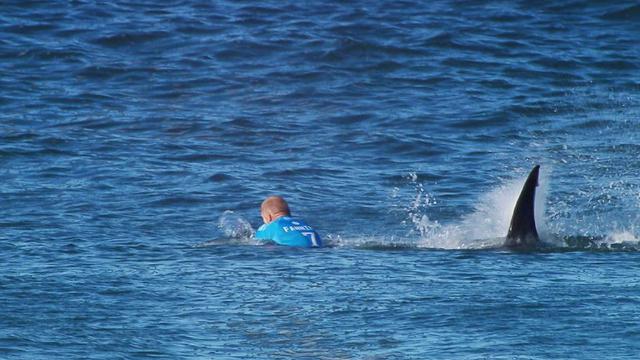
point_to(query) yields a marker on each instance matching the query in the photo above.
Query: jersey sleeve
(264, 233)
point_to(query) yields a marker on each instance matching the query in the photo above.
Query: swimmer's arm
(264, 234)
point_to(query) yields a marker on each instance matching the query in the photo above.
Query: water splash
(418, 208)
(370, 242)
(619, 240)
(619, 237)
(485, 227)
(236, 229)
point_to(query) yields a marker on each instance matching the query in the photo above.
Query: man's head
(274, 207)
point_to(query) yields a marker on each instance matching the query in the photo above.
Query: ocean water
(137, 140)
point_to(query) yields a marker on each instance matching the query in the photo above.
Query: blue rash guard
(289, 231)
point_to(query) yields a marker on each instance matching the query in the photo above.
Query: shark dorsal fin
(522, 233)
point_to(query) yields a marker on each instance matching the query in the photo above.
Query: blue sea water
(137, 140)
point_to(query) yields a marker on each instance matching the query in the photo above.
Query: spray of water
(236, 228)
(485, 227)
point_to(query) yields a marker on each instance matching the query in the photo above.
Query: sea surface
(138, 139)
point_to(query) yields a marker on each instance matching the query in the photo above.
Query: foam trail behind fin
(523, 234)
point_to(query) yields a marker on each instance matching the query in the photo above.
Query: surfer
(283, 229)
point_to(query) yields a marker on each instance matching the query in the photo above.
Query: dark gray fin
(522, 233)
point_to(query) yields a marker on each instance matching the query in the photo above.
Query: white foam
(486, 226)
(368, 241)
(620, 237)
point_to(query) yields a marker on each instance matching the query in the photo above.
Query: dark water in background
(127, 131)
